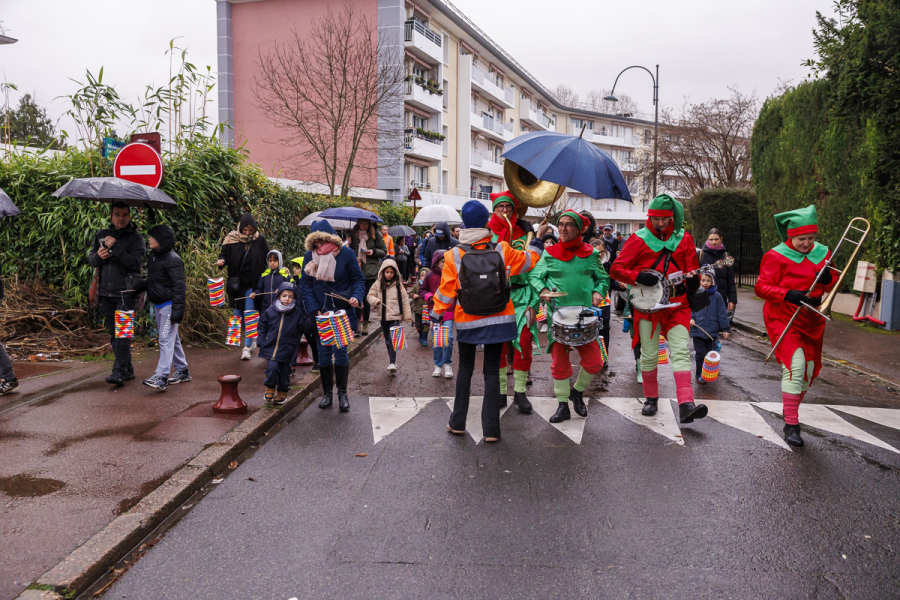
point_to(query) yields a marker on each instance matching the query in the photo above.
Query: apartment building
(464, 99)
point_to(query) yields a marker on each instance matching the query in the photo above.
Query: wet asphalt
(625, 514)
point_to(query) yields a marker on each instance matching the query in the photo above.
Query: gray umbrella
(7, 208)
(400, 231)
(113, 189)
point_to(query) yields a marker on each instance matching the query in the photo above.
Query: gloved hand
(692, 283)
(644, 278)
(826, 277)
(798, 298)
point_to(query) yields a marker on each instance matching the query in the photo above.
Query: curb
(76, 572)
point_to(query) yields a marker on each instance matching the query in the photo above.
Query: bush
(723, 208)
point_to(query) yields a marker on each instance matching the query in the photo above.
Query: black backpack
(484, 286)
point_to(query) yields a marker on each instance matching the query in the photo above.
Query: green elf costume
(572, 267)
(786, 274)
(523, 298)
(667, 249)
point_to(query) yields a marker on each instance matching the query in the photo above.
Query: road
(610, 507)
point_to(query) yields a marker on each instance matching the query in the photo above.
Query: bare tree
(625, 106)
(706, 145)
(566, 95)
(336, 92)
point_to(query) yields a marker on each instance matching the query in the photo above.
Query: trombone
(824, 309)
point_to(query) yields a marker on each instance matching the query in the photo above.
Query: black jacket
(165, 280)
(434, 243)
(724, 277)
(256, 260)
(126, 258)
(279, 333)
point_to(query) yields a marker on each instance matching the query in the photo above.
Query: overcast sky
(702, 46)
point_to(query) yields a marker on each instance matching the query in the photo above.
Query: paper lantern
(710, 371)
(340, 323)
(326, 331)
(541, 315)
(233, 337)
(603, 352)
(425, 313)
(441, 336)
(398, 337)
(663, 351)
(251, 322)
(124, 323)
(216, 291)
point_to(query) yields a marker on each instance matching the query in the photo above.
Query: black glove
(692, 283)
(645, 278)
(798, 298)
(826, 277)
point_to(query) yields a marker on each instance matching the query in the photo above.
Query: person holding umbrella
(8, 381)
(117, 253)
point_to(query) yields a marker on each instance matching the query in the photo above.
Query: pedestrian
(412, 266)
(279, 335)
(455, 232)
(402, 257)
(309, 331)
(713, 251)
(117, 253)
(590, 234)
(8, 381)
(166, 288)
(548, 240)
(418, 303)
(484, 313)
(244, 253)
(271, 278)
(388, 297)
(707, 323)
(611, 244)
(369, 248)
(443, 357)
(388, 241)
(442, 240)
(330, 270)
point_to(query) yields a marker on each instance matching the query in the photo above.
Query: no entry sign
(139, 163)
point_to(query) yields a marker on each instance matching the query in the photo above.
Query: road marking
(663, 423)
(819, 417)
(389, 414)
(572, 429)
(741, 416)
(473, 417)
(889, 417)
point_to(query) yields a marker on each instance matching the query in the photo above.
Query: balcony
(529, 113)
(492, 87)
(421, 146)
(485, 162)
(423, 42)
(485, 123)
(418, 95)
(576, 130)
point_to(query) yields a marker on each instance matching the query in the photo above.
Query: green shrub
(723, 208)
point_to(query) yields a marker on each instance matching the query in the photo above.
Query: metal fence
(745, 245)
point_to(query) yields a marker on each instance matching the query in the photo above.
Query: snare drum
(573, 329)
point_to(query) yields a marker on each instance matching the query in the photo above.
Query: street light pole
(611, 97)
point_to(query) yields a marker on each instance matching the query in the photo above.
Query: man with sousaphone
(661, 258)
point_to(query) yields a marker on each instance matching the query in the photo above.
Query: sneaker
(8, 385)
(436, 372)
(701, 381)
(392, 368)
(315, 368)
(157, 381)
(180, 377)
(245, 353)
(253, 345)
(448, 372)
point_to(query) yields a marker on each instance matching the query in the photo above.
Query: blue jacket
(269, 283)
(714, 318)
(279, 333)
(348, 278)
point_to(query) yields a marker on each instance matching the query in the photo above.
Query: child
(310, 331)
(707, 323)
(271, 278)
(279, 336)
(388, 297)
(166, 289)
(443, 357)
(418, 303)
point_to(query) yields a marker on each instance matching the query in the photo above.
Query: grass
(864, 325)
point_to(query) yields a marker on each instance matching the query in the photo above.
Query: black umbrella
(7, 208)
(400, 231)
(113, 189)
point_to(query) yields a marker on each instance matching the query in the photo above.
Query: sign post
(414, 195)
(139, 163)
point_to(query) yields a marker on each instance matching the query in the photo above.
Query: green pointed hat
(579, 219)
(797, 222)
(665, 205)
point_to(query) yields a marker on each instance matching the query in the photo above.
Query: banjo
(653, 298)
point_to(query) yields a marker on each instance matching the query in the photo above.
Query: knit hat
(797, 222)
(665, 205)
(475, 214)
(286, 286)
(247, 219)
(501, 197)
(579, 219)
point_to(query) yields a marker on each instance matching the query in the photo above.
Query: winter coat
(724, 276)
(348, 278)
(713, 319)
(126, 258)
(435, 243)
(165, 280)
(270, 280)
(394, 297)
(250, 270)
(416, 304)
(374, 243)
(432, 283)
(279, 332)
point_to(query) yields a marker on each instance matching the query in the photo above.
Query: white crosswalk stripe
(473, 418)
(664, 422)
(819, 417)
(889, 417)
(572, 429)
(388, 414)
(741, 415)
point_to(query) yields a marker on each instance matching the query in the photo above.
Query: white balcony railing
(416, 25)
(494, 86)
(420, 185)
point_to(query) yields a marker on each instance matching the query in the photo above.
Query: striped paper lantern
(425, 313)
(216, 291)
(233, 337)
(710, 371)
(441, 336)
(251, 322)
(663, 351)
(603, 352)
(340, 323)
(124, 323)
(541, 315)
(326, 331)
(398, 337)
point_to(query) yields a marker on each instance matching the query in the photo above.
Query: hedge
(723, 208)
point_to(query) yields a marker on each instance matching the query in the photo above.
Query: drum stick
(704, 331)
(259, 294)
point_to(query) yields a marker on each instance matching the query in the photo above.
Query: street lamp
(612, 98)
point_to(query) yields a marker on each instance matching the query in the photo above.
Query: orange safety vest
(389, 244)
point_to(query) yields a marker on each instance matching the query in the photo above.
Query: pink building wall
(258, 26)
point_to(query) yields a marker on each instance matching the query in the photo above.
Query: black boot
(792, 435)
(690, 411)
(521, 401)
(649, 407)
(340, 375)
(562, 413)
(577, 400)
(503, 400)
(327, 375)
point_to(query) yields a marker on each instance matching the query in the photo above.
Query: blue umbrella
(349, 212)
(569, 161)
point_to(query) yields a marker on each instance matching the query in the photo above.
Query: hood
(322, 231)
(438, 255)
(286, 285)
(297, 261)
(247, 219)
(389, 262)
(164, 236)
(277, 255)
(442, 226)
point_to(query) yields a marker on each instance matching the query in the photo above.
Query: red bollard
(303, 357)
(230, 401)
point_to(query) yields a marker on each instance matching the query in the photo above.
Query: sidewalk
(864, 347)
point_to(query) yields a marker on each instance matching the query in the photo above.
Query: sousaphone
(531, 191)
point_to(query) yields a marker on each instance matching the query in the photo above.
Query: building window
(420, 176)
(579, 123)
(603, 130)
(419, 122)
(446, 50)
(648, 136)
(446, 95)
